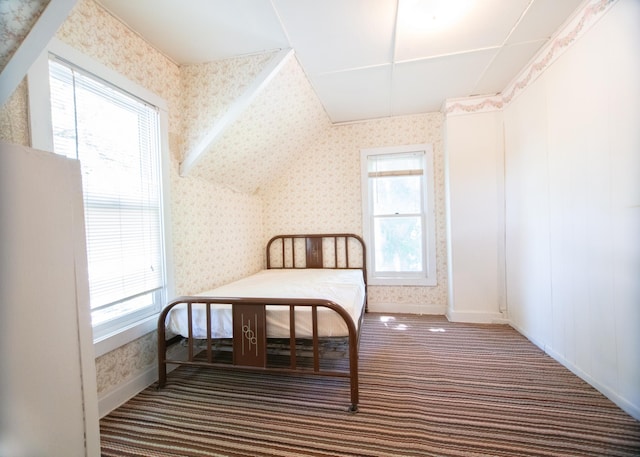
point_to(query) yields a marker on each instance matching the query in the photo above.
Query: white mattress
(344, 287)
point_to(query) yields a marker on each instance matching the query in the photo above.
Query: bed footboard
(249, 347)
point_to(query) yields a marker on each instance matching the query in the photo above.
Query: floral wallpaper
(14, 122)
(319, 191)
(96, 33)
(217, 234)
(116, 367)
(285, 118)
(209, 89)
(16, 21)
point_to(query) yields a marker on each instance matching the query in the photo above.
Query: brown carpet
(427, 388)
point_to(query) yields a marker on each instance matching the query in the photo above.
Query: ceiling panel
(542, 19)
(201, 31)
(418, 87)
(507, 63)
(332, 35)
(356, 94)
(348, 47)
(440, 30)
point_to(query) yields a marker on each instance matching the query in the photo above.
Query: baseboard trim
(623, 403)
(476, 317)
(132, 387)
(407, 308)
(611, 394)
(535, 341)
(127, 390)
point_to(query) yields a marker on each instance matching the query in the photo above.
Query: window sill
(125, 335)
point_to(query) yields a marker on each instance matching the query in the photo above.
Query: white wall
(475, 203)
(527, 216)
(572, 142)
(47, 370)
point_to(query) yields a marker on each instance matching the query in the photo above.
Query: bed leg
(162, 375)
(353, 407)
(162, 349)
(162, 364)
(355, 393)
(353, 372)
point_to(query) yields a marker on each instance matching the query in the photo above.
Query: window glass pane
(396, 195)
(123, 251)
(116, 138)
(63, 111)
(130, 306)
(398, 216)
(398, 244)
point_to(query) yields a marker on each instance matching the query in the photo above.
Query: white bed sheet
(344, 287)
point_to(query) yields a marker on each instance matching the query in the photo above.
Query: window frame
(42, 138)
(426, 277)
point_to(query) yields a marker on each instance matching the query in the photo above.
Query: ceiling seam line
(394, 49)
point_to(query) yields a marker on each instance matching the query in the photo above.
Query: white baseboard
(127, 390)
(535, 341)
(611, 394)
(406, 308)
(623, 403)
(476, 317)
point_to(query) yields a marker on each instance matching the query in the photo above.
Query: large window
(115, 137)
(98, 117)
(398, 216)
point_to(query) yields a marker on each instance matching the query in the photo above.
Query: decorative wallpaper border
(582, 20)
(476, 104)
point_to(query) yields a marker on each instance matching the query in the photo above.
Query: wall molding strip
(577, 25)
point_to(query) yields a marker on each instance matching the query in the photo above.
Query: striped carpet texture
(427, 388)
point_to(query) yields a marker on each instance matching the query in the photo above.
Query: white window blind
(398, 217)
(116, 138)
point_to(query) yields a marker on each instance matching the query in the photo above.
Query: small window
(116, 138)
(398, 216)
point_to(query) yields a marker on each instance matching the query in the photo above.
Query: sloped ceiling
(284, 117)
(351, 62)
(212, 98)
(26, 28)
(17, 19)
(354, 60)
(365, 59)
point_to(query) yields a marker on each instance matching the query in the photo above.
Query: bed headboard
(328, 250)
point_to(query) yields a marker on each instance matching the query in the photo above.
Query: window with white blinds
(398, 214)
(116, 138)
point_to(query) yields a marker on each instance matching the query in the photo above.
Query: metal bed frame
(250, 346)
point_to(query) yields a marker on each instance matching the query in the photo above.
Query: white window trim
(42, 138)
(430, 278)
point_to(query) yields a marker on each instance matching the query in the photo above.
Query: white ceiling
(364, 58)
